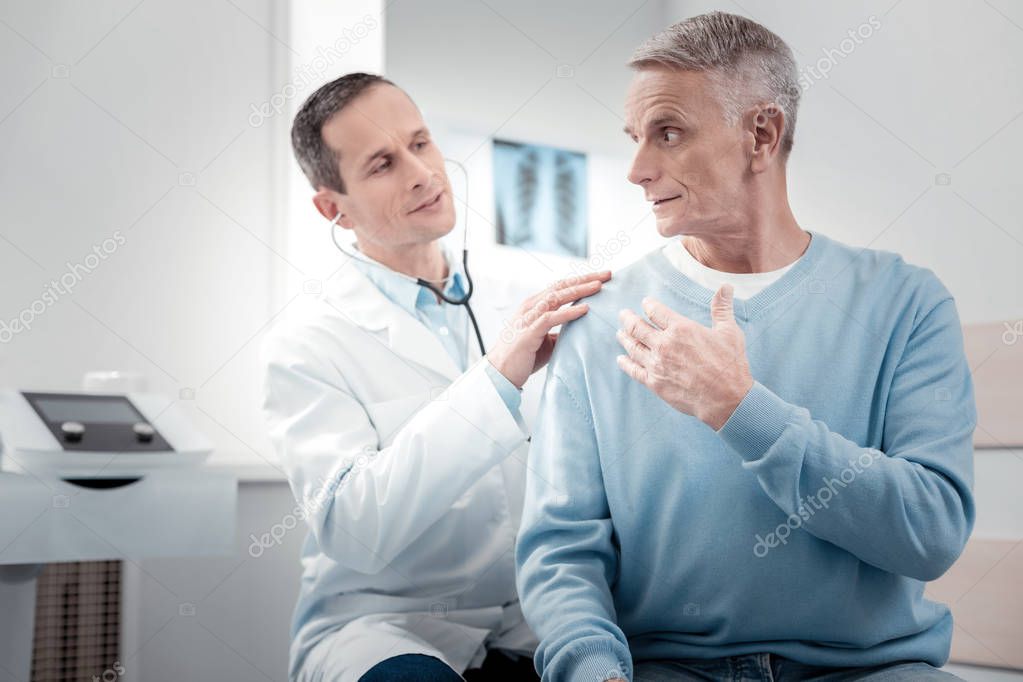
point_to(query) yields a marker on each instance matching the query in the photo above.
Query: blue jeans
(411, 668)
(497, 667)
(769, 667)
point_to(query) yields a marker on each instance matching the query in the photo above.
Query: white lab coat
(414, 551)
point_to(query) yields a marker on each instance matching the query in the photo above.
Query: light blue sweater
(805, 527)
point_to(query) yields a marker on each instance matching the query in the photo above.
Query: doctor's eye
(420, 144)
(382, 167)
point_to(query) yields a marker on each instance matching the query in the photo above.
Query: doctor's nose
(420, 173)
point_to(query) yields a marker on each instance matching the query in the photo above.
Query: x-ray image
(541, 198)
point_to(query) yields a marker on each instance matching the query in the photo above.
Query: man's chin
(671, 226)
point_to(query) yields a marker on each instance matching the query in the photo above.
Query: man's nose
(642, 170)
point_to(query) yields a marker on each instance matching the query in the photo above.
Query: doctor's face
(396, 189)
(691, 164)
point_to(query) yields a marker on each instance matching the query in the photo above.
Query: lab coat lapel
(494, 304)
(356, 298)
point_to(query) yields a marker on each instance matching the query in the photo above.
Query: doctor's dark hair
(746, 62)
(318, 161)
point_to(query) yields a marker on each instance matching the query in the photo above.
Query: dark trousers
(497, 667)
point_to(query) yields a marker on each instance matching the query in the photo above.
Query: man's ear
(329, 203)
(766, 124)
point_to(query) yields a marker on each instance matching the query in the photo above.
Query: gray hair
(747, 63)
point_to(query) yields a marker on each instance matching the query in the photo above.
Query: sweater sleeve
(565, 554)
(906, 508)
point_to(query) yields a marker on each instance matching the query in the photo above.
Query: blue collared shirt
(449, 323)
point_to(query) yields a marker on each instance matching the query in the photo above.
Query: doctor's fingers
(592, 279)
(555, 299)
(552, 318)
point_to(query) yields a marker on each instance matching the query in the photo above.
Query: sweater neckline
(745, 309)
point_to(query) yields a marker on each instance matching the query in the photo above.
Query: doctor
(402, 442)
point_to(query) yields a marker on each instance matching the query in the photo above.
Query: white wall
(126, 136)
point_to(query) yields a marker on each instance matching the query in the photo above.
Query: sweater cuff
(597, 666)
(757, 423)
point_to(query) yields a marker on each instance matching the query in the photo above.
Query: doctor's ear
(330, 205)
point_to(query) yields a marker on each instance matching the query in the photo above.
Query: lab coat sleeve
(906, 508)
(363, 503)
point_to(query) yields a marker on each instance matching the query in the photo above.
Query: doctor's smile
(430, 204)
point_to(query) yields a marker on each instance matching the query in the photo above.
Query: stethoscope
(464, 299)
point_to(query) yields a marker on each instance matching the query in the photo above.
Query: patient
(756, 448)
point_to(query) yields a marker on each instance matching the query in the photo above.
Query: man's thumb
(721, 306)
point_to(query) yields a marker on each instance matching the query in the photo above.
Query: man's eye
(671, 136)
(382, 167)
(422, 143)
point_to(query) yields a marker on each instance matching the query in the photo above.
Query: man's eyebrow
(665, 120)
(658, 122)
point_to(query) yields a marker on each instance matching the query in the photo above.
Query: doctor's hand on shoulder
(526, 342)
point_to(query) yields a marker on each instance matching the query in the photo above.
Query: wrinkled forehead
(657, 93)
